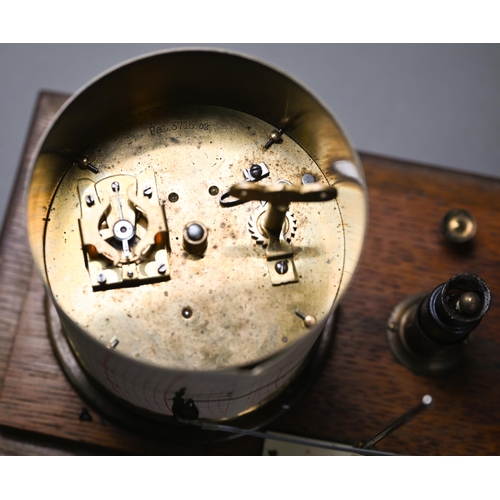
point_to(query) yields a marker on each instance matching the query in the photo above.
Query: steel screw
(89, 199)
(256, 171)
(281, 267)
(148, 191)
(307, 179)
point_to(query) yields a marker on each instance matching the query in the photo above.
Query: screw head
(281, 267)
(307, 179)
(256, 171)
(115, 186)
(101, 278)
(148, 191)
(162, 269)
(89, 199)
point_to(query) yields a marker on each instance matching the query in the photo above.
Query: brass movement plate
(236, 315)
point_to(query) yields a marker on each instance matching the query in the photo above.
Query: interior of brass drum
(137, 157)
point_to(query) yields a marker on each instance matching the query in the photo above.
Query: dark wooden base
(361, 388)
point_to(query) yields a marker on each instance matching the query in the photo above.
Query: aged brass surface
(238, 318)
(165, 290)
(458, 226)
(124, 210)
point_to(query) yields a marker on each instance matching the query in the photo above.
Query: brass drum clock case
(196, 217)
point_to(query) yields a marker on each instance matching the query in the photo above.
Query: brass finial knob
(458, 226)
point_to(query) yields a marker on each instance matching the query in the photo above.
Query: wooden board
(360, 390)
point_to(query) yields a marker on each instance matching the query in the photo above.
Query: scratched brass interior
(167, 135)
(238, 316)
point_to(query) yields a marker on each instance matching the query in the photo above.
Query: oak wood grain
(15, 260)
(360, 390)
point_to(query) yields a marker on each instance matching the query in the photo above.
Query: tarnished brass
(113, 211)
(151, 314)
(271, 224)
(283, 194)
(258, 230)
(430, 333)
(279, 198)
(458, 226)
(195, 238)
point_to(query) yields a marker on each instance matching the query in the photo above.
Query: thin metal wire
(425, 403)
(295, 440)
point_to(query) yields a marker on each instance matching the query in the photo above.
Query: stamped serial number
(178, 125)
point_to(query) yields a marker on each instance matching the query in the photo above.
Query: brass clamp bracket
(123, 230)
(272, 226)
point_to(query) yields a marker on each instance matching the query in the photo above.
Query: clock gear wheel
(258, 231)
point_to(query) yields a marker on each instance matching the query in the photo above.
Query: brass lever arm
(283, 194)
(279, 197)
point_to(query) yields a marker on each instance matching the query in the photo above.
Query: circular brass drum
(177, 295)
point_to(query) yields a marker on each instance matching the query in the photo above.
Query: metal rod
(293, 440)
(275, 216)
(425, 403)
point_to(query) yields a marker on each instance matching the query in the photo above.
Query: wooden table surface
(361, 388)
